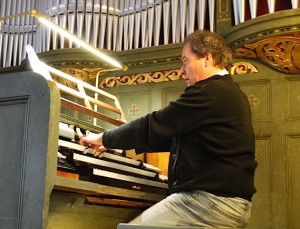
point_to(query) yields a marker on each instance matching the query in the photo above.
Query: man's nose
(182, 71)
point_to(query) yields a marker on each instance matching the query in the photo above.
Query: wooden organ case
(37, 147)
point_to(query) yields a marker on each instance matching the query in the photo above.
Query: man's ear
(208, 56)
(208, 59)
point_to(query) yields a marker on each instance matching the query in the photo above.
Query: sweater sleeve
(179, 117)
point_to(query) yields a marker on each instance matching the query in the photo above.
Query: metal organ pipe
(110, 24)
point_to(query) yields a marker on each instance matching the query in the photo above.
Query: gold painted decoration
(242, 68)
(253, 101)
(244, 52)
(82, 73)
(134, 110)
(280, 52)
(143, 78)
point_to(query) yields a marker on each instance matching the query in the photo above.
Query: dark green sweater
(209, 134)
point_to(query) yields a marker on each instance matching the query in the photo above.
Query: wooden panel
(292, 98)
(171, 94)
(135, 104)
(160, 160)
(258, 92)
(263, 177)
(265, 91)
(12, 184)
(69, 210)
(293, 169)
(29, 116)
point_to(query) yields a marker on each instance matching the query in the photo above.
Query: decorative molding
(292, 98)
(223, 11)
(273, 32)
(135, 79)
(242, 68)
(86, 74)
(272, 39)
(280, 52)
(156, 61)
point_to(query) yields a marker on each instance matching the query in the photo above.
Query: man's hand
(93, 141)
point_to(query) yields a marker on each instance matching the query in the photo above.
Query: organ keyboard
(124, 176)
(107, 168)
(110, 168)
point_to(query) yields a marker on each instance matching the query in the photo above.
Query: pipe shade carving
(280, 52)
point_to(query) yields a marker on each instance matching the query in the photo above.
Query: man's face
(192, 66)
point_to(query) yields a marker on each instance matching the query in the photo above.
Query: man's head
(204, 54)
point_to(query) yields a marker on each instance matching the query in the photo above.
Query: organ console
(111, 168)
(52, 181)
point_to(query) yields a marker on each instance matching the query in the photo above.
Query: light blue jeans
(197, 208)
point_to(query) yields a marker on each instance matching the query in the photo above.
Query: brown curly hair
(203, 42)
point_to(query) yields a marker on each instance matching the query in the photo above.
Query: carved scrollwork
(242, 68)
(281, 52)
(82, 73)
(143, 78)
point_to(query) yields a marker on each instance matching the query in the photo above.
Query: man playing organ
(209, 134)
